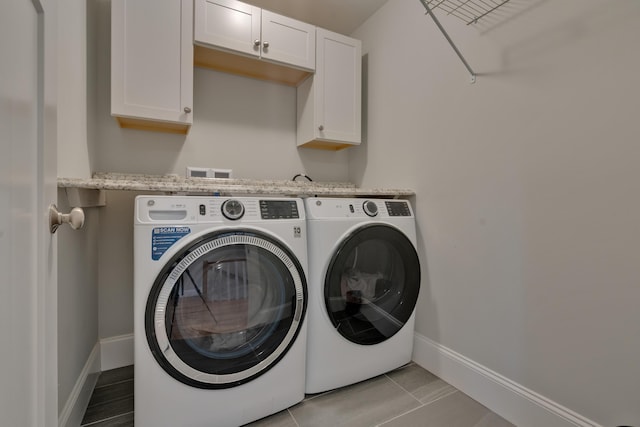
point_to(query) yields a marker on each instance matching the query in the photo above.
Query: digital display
(398, 208)
(279, 209)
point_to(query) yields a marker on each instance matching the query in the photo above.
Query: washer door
(225, 309)
(372, 284)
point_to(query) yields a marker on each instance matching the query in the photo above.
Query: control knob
(232, 209)
(370, 208)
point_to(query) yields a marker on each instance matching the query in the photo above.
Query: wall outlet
(196, 172)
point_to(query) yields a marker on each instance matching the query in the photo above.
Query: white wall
(526, 186)
(239, 123)
(77, 299)
(77, 250)
(74, 157)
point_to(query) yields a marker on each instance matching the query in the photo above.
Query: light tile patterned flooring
(407, 397)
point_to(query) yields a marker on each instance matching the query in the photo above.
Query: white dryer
(220, 299)
(364, 279)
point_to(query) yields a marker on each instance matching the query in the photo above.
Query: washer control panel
(279, 209)
(204, 209)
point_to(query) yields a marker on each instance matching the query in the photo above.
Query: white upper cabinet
(152, 64)
(228, 24)
(288, 41)
(329, 103)
(224, 28)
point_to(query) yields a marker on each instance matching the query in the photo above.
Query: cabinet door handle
(265, 45)
(321, 128)
(256, 43)
(187, 110)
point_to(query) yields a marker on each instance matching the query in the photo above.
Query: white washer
(364, 279)
(220, 301)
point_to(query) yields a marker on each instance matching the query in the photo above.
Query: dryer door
(225, 309)
(372, 283)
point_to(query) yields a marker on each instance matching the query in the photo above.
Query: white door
(28, 317)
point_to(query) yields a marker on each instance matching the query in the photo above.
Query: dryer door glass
(226, 309)
(372, 283)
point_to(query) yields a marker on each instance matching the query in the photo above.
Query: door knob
(75, 218)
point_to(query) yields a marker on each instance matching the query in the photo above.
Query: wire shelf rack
(470, 11)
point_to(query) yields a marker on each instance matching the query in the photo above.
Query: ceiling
(341, 16)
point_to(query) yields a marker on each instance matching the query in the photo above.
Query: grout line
(402, 388)
(107, 419)
(401, 415)
(455, 390)
(422, 405)
(115, 399)
(322, 393)
(110, 384)
(293, 418)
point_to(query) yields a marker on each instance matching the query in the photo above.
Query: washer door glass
(225, 309)
(372, 284)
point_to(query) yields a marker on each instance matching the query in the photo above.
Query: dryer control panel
(398, 208)
(327, 208)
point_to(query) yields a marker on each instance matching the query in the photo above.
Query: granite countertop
(225, 187)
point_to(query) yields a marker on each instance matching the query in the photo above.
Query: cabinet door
(288, 41)
(228, 24)
(339, 91)
(329, 102)
(152, 64)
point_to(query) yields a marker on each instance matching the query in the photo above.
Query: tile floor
(111, 403)
(407, 397)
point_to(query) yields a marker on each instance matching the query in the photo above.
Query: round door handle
(265, 45)
(75, 218)
(187, 110)
(321, 128)
(256, 43)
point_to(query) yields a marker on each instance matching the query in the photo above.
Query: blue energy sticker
(164, 237)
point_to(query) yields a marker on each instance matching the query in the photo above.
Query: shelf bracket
(446, 36)
(85, 197)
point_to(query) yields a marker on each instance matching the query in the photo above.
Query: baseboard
(73, 411)
(116, 352)
(512, 401)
